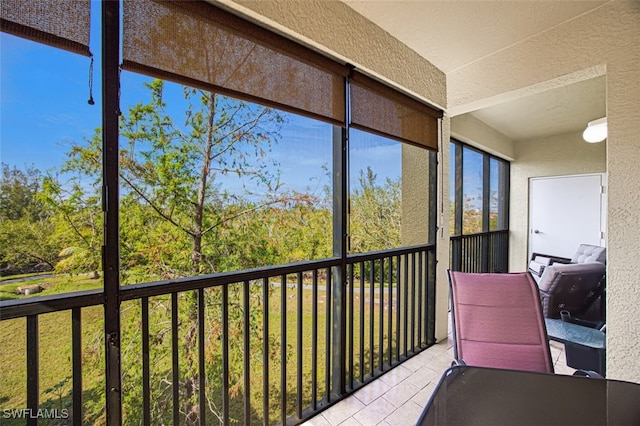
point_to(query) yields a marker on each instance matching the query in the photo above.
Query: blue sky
(43, 107)
(44, 93)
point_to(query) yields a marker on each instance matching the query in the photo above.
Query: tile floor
(399, 396)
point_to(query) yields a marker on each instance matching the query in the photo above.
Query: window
(479, 215)
(50, 215)
(211, 183)
(389, 192)
(472, 191)
(479, 184)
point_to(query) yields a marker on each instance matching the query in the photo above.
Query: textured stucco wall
(559, 155)
(416, 225)
(466, 128)
(334, 28)
(604, 40)
(415, 197)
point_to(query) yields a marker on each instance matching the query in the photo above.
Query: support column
(110, 200)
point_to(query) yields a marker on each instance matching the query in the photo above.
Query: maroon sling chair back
(498, 322)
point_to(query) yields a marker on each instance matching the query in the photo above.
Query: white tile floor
(399, 396)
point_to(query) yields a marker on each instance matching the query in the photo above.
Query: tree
(173, 168)
(375, 214)
(78, 222)
(19, 193)
(25, 228)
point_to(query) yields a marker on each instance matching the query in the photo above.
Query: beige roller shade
(380, 109)
(59, 23)
(200, 45)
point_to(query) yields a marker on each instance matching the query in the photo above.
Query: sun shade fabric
(197, 44)
(380, 109)
(59, 23)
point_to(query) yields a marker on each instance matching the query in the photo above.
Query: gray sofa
(575, 285)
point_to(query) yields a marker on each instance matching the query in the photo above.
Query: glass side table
(584, 347)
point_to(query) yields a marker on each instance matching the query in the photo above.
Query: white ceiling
(452, 34)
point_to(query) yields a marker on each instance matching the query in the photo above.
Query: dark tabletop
(488, 396)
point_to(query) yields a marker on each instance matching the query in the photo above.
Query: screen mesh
(59, 23)
(200, 45)
(382, 110)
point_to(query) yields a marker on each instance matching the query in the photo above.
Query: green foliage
(375, 214)
(77, 222)
(25, 227)
(18, 194)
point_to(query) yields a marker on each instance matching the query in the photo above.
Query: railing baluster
(299, 346)
(146, 389)
(33, 367)
(265, 351)
(420, 300)
(174, 358)
(390, 305)
(427, 311)
(225, 354)
(432, 262)
(247, 353)
(314, 342)
(481, 252)
(398, 294)
(406, 303)
(350, 325)
(202, 397)
(362, 299)
(372, 295)
(76, 339)
(283, 349)
(381, 326)
(413, 302)
(327, 343)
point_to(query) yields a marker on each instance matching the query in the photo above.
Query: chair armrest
(458, 363)
(552, 259)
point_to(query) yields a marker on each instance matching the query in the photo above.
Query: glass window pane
(471, 191)
(452, 188)
(215, 184)
(50, 205)
(494, 193)
(389, 193)
(503, 194)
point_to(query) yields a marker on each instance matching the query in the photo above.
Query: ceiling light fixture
(596, 131)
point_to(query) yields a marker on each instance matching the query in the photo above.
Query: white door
(566, 211)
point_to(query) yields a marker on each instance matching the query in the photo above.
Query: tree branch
(155, 207)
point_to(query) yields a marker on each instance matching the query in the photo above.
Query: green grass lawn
(50, 284)
(55, 352)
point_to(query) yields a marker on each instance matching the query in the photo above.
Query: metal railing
(263, 346)
(480, 252)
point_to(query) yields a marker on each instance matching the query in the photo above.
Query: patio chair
(498, 322)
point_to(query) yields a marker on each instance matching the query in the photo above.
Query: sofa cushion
(588, 253)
